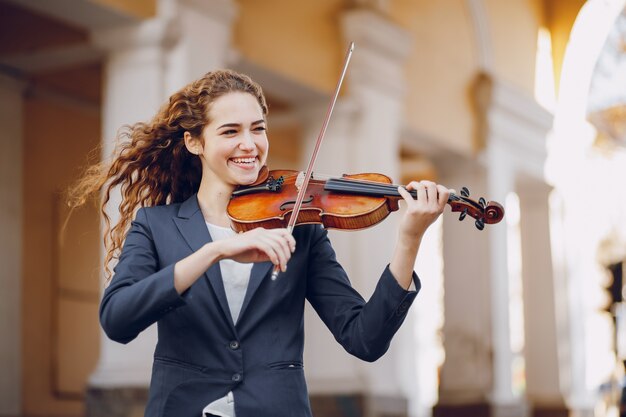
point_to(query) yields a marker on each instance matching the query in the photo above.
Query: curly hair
(150, 164)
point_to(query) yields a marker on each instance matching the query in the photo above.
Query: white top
(235, 276)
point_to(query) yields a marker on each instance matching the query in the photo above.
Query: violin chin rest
(264, 173)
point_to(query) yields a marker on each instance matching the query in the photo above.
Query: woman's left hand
(421, 212)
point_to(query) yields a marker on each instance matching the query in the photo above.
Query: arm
(419, 215)
(364, 329)
(142, 292)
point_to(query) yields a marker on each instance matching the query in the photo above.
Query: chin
(246, 179)
(246, 182)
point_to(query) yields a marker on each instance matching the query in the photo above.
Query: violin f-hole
(283, 206)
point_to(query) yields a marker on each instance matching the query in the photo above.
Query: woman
(231, 339)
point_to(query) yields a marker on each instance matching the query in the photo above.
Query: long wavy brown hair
(151, 165)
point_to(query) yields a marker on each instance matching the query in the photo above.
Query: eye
(229, 132)
(259, 129)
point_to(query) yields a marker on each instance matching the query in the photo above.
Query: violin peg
(482, 202)
(463, 214)
(480, 224)
(465, 192)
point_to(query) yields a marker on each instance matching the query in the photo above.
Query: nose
(246, 143)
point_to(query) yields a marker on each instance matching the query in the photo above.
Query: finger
(431, 194)
(444, 194)
(285, 250)
(291, 241)
(279, 242)
(412, 185)
(406, 195)
(278, 250)
(268, 244)
(268, 250)
(421, 193)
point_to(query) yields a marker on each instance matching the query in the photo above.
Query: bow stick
(309, 170)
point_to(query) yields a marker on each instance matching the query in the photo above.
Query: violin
(349, 202)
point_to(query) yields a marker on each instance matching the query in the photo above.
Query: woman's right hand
(259, 245)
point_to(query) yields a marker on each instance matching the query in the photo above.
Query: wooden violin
(349, 202)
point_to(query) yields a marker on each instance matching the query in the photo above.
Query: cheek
(263, 145)
(224, 150)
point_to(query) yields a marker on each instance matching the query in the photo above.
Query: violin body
(273, 209)
(350, 202)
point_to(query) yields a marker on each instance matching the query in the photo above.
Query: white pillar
(329, 369)
(467, 372)
(10, 245)
(542, 366)
(481, 272)
(515, 157)
(500, 180)
(134, 84)
(145, 63)
(376, 85)
(364, 136)
(204, 42)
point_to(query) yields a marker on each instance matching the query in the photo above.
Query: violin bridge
(300, 180)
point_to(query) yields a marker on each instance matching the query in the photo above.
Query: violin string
(381, 189)
(359, 186)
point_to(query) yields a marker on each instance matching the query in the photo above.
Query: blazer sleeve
(140, 292)
(364, 329)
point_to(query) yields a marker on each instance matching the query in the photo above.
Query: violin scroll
(482, 211)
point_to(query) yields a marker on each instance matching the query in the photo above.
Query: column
(542, 368)
(134, 89)
(364, 136)
(145, 63)
(503, 277)
(491, 323)
(376, 85)
(329, 369)
(204, 42)
(10, 245)
(526, 346)
(468, 370)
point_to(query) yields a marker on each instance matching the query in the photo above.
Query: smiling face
(235, 143)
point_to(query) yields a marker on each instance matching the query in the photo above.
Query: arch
(589, 33)
(585, 355)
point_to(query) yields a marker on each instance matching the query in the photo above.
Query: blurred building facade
(511, 321)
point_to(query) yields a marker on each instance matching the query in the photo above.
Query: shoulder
(157, 213)
(163, 210)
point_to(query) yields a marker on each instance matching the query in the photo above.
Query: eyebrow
(239, 124)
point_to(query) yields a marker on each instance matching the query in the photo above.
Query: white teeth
(243, 160)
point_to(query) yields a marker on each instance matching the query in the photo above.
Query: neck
(213, 199)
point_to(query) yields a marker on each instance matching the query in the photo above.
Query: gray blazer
(201, 354)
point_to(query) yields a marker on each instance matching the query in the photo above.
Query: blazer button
(236, 378)
(234, 345)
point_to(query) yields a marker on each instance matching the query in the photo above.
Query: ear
(193, 145)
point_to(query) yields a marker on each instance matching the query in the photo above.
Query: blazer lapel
(260, 270)
(192, 227)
